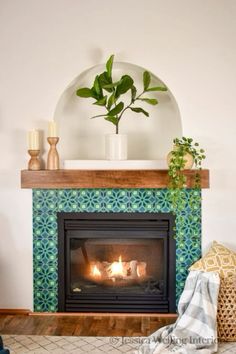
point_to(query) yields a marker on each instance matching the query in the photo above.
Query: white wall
(44, 44)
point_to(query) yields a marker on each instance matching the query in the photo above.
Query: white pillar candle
(33, 140)
(52, 129)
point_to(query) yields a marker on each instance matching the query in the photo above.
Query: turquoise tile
(68, 200)
(45, 225)
(45, 200)
(46, 204)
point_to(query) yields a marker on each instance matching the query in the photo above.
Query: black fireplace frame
(156, 223)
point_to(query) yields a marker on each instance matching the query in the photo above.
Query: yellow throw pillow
(218, 259)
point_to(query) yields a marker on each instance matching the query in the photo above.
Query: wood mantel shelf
(63, 179)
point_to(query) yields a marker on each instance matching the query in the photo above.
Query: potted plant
(109, 95)
(184, 155)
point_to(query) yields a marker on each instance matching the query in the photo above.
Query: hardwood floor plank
(97, 325)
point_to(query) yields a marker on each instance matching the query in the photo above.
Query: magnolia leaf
(139, 110)
(105, 80)
(84, 92)
(112, 119)
(146, 80)
(97, 87)
(133, 93)
(94, 94)
(111, 85)
(152, 101)
(111, 101)
(157, 88)
(125, 84)
(109, 65)
(117, 109)
(101, 102)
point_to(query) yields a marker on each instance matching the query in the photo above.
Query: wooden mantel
(62, 179)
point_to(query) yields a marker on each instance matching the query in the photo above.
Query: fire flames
(130, 270)
(95, 271)
(117, 268)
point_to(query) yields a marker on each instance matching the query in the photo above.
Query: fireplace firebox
(116, 262)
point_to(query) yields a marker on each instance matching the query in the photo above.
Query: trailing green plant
(178, 160)
(180, 198)
(108, 94)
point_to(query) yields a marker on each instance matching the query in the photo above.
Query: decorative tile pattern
(46, 204)
(19, 344)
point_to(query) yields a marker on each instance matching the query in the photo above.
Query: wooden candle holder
(34, 163)
(53, 157)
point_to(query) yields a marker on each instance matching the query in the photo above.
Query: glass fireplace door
(117, 265)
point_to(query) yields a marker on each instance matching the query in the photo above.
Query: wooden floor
(82, 325)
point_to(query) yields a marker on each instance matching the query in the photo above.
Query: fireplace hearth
(116, 262)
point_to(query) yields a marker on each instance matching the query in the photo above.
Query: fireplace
(116, 262)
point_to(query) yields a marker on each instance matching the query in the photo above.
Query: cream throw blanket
(195, 330)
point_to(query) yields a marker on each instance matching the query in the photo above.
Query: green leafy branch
(107, 94)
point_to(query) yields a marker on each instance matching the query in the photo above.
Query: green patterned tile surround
(47, 202)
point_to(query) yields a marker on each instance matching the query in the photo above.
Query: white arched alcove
(149, 138)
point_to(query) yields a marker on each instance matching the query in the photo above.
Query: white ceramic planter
(116, 146)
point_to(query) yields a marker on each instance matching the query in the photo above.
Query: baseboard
(106, 314)
(15, 312)
(84, 314)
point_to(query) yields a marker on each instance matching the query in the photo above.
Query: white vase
(116, 146)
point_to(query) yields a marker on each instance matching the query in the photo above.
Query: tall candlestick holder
(53, 157)
(34, 163)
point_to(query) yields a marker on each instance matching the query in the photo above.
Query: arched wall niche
(149, 138)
